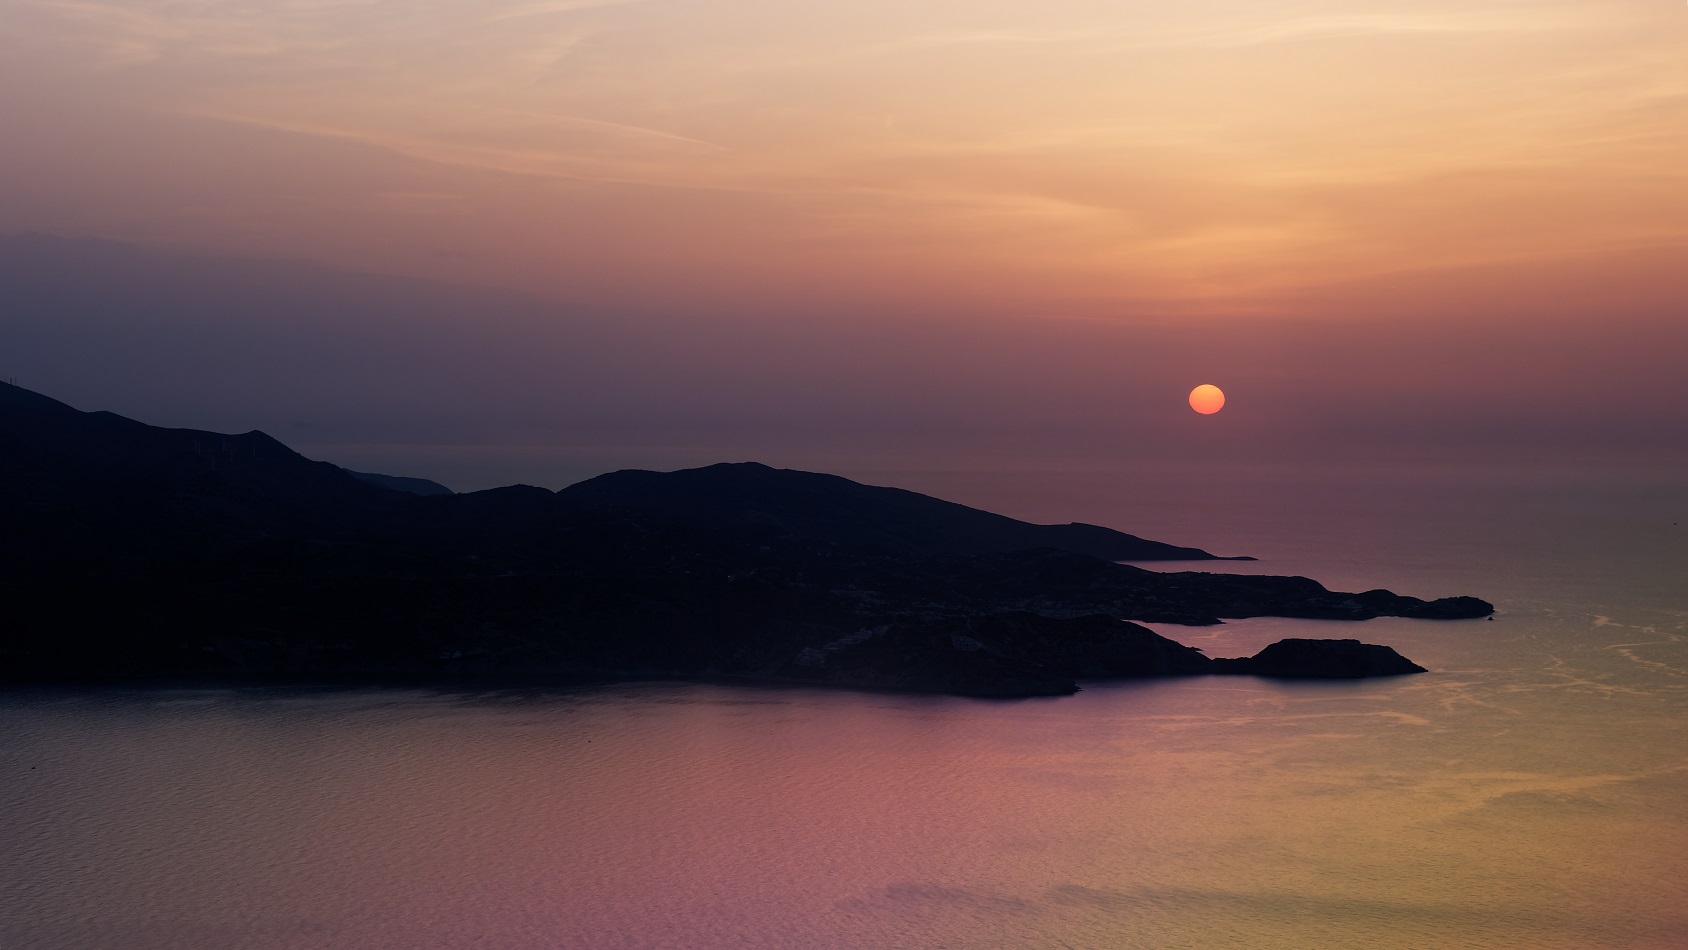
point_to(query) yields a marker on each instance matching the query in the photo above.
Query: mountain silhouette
(404, 483)
(91, 488)
(132, 550)
(810, 504)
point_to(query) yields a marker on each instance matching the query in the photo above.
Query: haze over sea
(1531, 791)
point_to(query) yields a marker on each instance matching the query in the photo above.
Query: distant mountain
(808, 504)
(414, 486)
(90, 488)
(130, 550)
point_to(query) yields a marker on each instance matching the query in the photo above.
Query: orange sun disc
(1207, 399)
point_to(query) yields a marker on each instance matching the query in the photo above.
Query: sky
(516, 240)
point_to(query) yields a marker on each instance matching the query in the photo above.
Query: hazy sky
(926, 230)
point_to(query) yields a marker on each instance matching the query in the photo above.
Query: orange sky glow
(1084, 157)
(1488, 197)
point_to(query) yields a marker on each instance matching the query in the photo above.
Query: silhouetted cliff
(781, 501)
(415, 486)
(132, 550)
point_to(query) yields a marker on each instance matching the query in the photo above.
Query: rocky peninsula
(137, 551)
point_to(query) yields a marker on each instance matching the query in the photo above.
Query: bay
(1530, 792)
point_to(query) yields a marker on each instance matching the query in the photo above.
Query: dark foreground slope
(415, 486)
(782, 501)
(136, 551)
(94, 491)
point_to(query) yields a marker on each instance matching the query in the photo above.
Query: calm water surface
(1531, 792)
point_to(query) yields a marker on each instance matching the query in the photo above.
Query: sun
(1207, 399)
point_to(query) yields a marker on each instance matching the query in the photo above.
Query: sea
(1529, 793)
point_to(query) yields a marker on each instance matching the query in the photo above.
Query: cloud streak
(1216, 150)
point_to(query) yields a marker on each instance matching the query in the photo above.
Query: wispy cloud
(581, 122)
(1215, 144)
(558, 6)
(1242, 27)
(537, 162)
(1466, 21)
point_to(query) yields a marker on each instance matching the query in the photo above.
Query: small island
(140, 552)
